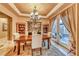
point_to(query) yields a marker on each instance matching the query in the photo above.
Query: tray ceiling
(42, 8)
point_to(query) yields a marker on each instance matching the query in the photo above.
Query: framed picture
(36, 27)
(20, 28)
(45, 28)
(4, 27)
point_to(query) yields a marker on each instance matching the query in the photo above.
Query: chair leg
(44, 43)
(14, 48)
(40, 51)
(25, 44)
(23, 47)
(32, 52)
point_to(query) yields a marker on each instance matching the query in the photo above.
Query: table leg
(18, 48)
(31, 51)
(43, 43)
(14, 48)
(40, 51)
(48, 43)
(23, 47)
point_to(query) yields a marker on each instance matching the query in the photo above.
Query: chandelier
(34, 15)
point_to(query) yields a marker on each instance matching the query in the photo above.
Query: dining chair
(28, 43)
(16, 36)
(37, 42)
(49, 35)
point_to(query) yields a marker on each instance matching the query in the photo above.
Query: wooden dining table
(24, 39)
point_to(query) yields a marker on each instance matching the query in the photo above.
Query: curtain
(52, 26)
(73, 27)
(58, 28)
(64, 19)
(68, 19)
(52, 22)
(71, 20)
(56, 19)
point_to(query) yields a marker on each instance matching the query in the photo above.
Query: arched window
(54, 30)
(64, 33)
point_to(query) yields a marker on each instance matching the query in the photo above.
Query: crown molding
(18, 12)
(28, 15)
(54, 9)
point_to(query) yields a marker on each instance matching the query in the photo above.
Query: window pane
(54, 32)
(64, 34)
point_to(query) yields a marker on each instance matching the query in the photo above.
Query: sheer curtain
(55, 28)
(58, 28)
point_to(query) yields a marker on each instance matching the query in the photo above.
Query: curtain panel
(56, 18)
(52, 22)
(68, 18)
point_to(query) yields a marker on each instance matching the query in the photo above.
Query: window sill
(62, 49)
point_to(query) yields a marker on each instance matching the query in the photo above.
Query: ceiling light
(35, 15)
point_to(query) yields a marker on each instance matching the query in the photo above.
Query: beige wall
(3, 34)
(20, 19)
(5, 19)
(78, 30)
(17, 20)
(4, 12)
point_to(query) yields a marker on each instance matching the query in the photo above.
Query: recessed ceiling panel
(42, 8)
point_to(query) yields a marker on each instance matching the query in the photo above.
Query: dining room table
(24, 39)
